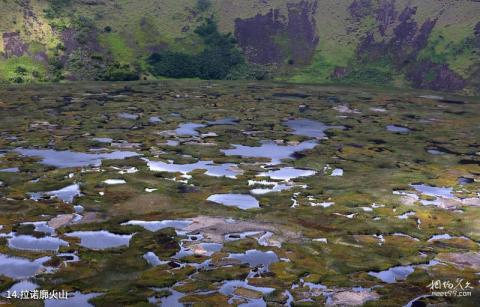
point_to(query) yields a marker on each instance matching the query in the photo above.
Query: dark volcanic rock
(402, 49)
(93, 2)
(476, 32)
(339, 72)
(406, 30)
(421, 40)
(41, 57)
(256, 37)
(274, 38)
(408, 39)
(452, 101)
(407, 14)
(360, 8)
(73, 40)
(290, 95)
(369, 50)
(81, 53)
(302, 31)
(184, 188)
(13, 44)
(386, 15)
(429, 75)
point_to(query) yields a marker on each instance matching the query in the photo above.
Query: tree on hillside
(218, 58)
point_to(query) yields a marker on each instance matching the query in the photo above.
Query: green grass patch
(118, 47)
(324, 62)
(456, 50)
(21, 69)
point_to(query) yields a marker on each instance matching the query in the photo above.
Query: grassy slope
(454, 25)
(163, 21)
(336, 47)
(141, 26)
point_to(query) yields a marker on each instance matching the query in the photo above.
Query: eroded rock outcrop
(274, 38)
(13, 44)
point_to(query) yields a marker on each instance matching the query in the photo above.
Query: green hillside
(432, 44)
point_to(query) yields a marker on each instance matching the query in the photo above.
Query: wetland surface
(244, 194)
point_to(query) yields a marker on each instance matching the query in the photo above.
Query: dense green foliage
(118, 72)
(203, 5)
(56, 8)
(173, 64)
(216, 61)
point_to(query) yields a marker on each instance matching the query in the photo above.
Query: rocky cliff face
(429, 44)
(402, 47)
(275, 38)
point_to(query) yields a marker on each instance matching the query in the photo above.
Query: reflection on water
(66, 194)
(255, 258)
(125, 115)
(188, 129)
(102, 239)
(18, 268)
(27, 242)
(269, 150)
(397, 129)
(287, 173)
(310, 128)
(157, 225)
(66, 158)
(228, 170)
(240, 201)
(76, 299)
